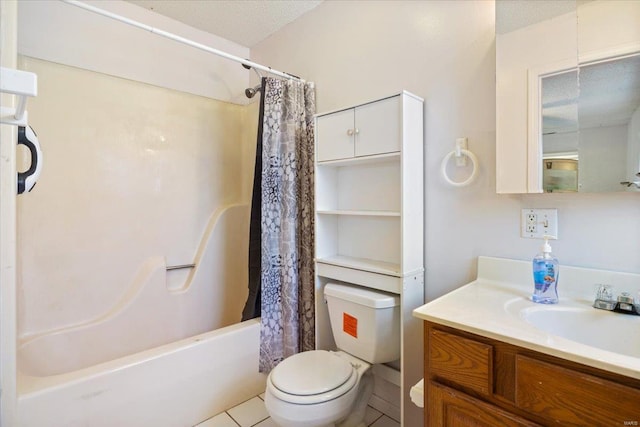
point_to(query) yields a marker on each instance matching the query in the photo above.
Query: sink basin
(615, 332)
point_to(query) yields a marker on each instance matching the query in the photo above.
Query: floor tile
(385, 421)
(267, 423)
(249, 413)
(371, 415)
(221, 420)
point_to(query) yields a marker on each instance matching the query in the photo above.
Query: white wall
(633, 147)
(602, 155)
(603, 158)
(444, 51)
(561, 142)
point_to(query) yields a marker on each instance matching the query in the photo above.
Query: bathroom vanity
(494, 358)
(474, 380)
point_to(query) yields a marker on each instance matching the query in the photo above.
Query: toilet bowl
(316, 389)
(325, 388)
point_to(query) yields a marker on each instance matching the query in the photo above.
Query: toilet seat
(312, 377)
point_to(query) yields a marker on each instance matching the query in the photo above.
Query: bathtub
(177, 384)
(169, 353)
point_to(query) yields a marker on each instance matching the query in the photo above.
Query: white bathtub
(177, 384)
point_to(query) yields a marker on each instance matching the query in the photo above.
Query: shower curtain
(285, 287)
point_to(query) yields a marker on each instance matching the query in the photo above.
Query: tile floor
(252, 413)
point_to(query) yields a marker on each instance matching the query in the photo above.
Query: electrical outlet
(535, 223)
(531, 223)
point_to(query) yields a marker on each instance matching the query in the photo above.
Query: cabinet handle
(350, 132)
(357, 131)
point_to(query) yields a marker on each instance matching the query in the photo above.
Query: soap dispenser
(545, 275)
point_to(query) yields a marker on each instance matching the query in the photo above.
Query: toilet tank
(365, 322)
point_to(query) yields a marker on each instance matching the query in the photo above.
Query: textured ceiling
(602, 94)
(514, 14)
(245, 22)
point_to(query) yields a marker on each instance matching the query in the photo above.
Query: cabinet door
(451, 408)
(563, 396)
(335, 136)
(378, 127)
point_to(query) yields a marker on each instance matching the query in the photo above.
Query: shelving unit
(363, 264)
(369, 224)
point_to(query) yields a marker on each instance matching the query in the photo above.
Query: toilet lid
(311, 372)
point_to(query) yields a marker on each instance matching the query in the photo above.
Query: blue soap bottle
(545, 275)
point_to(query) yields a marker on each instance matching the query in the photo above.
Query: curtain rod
(180, 39)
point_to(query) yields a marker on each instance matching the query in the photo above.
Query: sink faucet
(623, 304)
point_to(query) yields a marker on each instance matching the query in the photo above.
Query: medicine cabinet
(567, 96)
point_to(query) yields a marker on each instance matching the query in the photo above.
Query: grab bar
(179, 267)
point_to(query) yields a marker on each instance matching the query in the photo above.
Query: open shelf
(364, 264)
(360, 187)
(363, 160)
(351, 235)
(359, 213)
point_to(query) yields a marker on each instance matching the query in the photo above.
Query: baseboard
(386, 391)
(385, 407)
(387, 373)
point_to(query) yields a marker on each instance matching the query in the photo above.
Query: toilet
(332, 388)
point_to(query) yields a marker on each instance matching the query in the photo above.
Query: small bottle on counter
(545, 275)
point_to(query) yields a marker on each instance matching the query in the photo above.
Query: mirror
(568, 95)
(589, 117)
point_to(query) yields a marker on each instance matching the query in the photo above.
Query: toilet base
(359, 408)
(349, 413)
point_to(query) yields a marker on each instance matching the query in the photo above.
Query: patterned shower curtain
(287, 221)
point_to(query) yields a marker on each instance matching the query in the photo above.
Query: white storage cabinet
(369, 220)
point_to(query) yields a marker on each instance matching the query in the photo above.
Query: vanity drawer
(569, 397)
(461, 361)
(448, 407)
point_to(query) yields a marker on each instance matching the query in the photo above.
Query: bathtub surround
(287, 276)
(149, 176)
(155, 178)
(147, 315)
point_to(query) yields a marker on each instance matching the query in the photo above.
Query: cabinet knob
(351, 132)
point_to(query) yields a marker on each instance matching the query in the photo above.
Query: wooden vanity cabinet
(471, 380)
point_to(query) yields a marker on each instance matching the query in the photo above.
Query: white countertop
(491, 306)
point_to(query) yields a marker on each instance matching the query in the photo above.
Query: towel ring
(474, 163)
